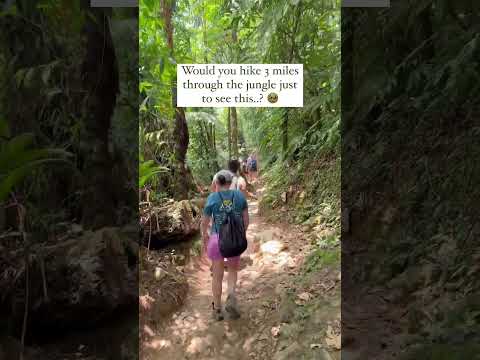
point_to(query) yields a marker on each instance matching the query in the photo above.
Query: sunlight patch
(148, 330)
(272, 247)
(198, 345)
(159, 344)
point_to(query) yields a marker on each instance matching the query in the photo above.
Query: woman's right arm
(204, 229)
(205, 223)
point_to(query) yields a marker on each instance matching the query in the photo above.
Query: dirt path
(265, 331)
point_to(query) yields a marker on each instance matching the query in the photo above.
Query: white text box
(240, 85)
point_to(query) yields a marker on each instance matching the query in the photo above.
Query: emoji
(272, 98)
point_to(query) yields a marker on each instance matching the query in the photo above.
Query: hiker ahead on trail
(238, 182)
(252, 166)
(227, 212)
(244, 167)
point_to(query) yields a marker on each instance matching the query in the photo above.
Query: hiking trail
(282, 317)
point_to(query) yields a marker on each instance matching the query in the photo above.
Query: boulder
(174, 220)
(86, 280)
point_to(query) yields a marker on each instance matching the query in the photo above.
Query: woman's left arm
(246, 219)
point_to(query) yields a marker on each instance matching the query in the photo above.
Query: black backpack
(232, 239)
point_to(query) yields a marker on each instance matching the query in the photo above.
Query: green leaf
(147, 170)
(13, 178)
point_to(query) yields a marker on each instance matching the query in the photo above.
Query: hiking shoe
(231, 307)
(217, 313)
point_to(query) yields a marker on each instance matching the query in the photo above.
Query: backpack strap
(221, 202)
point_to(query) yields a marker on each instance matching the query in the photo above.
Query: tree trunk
(214, 149)
(180, 131)
(290, 59)
(213, 137)
(206, 129)
(285, 134)
(229, 128)
(101, 79)
(234, 122)
(183, 181)
(234, 133)
(347, 65)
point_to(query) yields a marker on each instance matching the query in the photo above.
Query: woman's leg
(217, 278)
(231, 306)
(217, 270)
(232, 276)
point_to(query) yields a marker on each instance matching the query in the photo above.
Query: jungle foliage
(68, 158)
(53, 101)
(409, 138)
(298, 147)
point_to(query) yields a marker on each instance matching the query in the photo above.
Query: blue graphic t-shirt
(219, 203)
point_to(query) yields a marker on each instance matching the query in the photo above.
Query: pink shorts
(213, 251)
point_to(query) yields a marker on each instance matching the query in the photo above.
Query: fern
(18, 158)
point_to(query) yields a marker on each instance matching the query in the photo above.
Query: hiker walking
(238, 182)
(226, 216)
(252, 166)
(245, 167)
(249, 164)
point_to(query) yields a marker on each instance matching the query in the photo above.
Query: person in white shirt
(238, 182)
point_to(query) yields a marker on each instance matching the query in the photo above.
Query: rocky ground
(287, 313)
